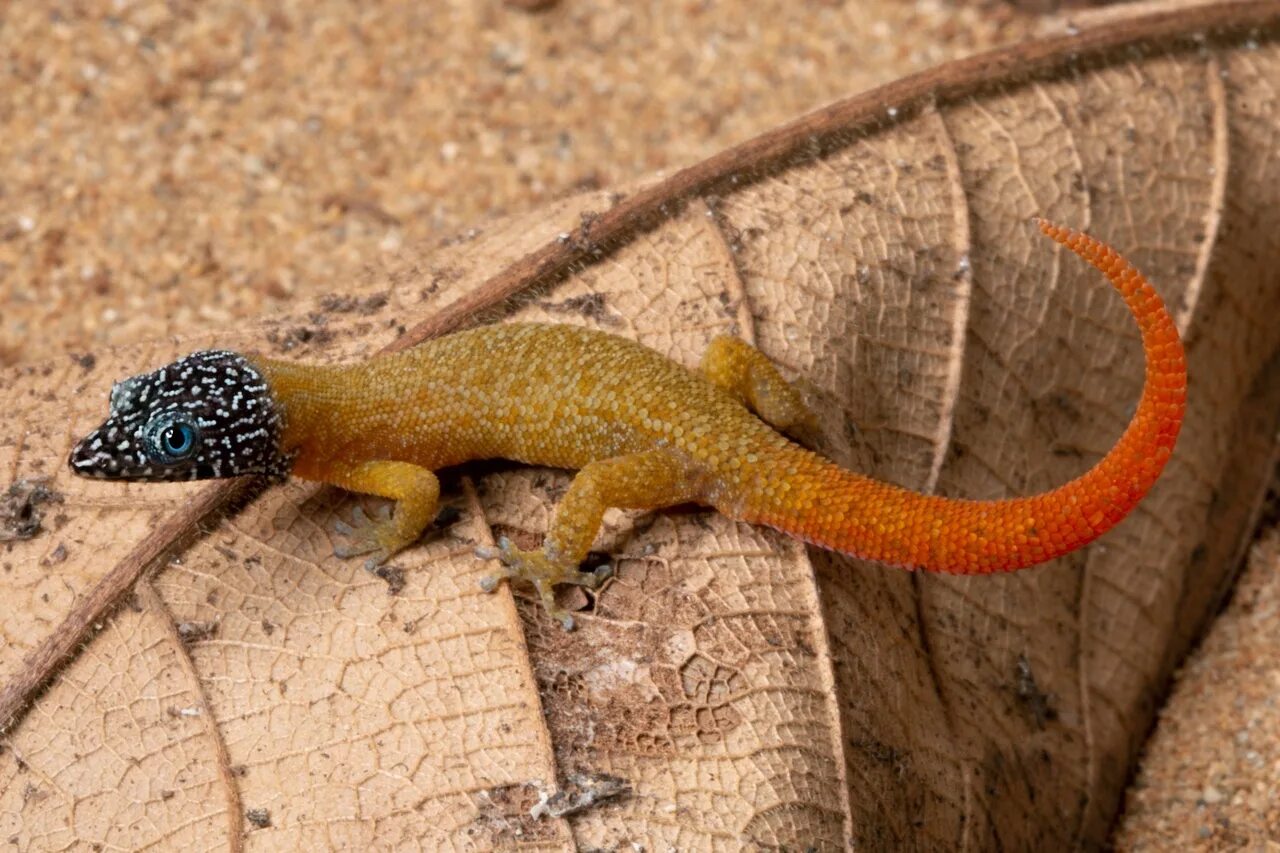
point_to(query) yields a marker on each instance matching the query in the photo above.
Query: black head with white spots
(205, 416)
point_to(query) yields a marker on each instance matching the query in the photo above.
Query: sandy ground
(1211, 770)
(176, 165)
(170, 166)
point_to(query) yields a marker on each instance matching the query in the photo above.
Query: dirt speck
(1035, 700)
(531, 5)
(20, 509)
(195, 632)
(56, 556)
(393, 575)
(592, 306)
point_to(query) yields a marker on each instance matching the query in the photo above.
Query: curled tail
(846, 512)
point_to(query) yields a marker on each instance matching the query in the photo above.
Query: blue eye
(171, 438)
(178, 439)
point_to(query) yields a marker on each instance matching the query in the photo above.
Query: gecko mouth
(99, 455)
(107, 454)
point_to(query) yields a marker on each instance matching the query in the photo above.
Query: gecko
(642, 431)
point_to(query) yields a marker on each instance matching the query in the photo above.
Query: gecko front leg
(416, 492)
(649, 480)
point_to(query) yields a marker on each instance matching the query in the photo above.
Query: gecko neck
(306, 397)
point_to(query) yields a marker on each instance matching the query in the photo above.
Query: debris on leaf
(195, 632)
(1035, 700)
(581, 791)
(531, 5)
(260, 818)
(20, 513)
(516, 813)
(393, 575)
(502, 816)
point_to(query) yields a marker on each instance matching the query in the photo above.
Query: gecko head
(205, 416)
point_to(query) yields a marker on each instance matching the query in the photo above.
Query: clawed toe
(541, 570)
(355, 549)
(364, 536)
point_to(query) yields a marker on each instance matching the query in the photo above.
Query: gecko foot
(377, 536)
(540, 570)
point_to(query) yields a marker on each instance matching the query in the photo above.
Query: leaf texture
(259, 692)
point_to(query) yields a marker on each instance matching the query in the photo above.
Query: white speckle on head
(215, 393)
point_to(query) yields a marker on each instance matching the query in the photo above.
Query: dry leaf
(729, 687)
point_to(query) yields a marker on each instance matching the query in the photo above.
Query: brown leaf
(880, 249)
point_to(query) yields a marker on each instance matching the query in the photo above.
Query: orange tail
(843, 511)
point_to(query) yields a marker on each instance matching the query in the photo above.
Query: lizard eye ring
(171, 437)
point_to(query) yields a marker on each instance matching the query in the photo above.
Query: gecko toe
(377, 536)
(371, 564)
(354, 549)
(534, 566)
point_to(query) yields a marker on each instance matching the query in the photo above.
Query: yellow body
(644, 431)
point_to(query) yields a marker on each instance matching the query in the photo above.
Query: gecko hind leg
(749, 375)
(649, 480)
